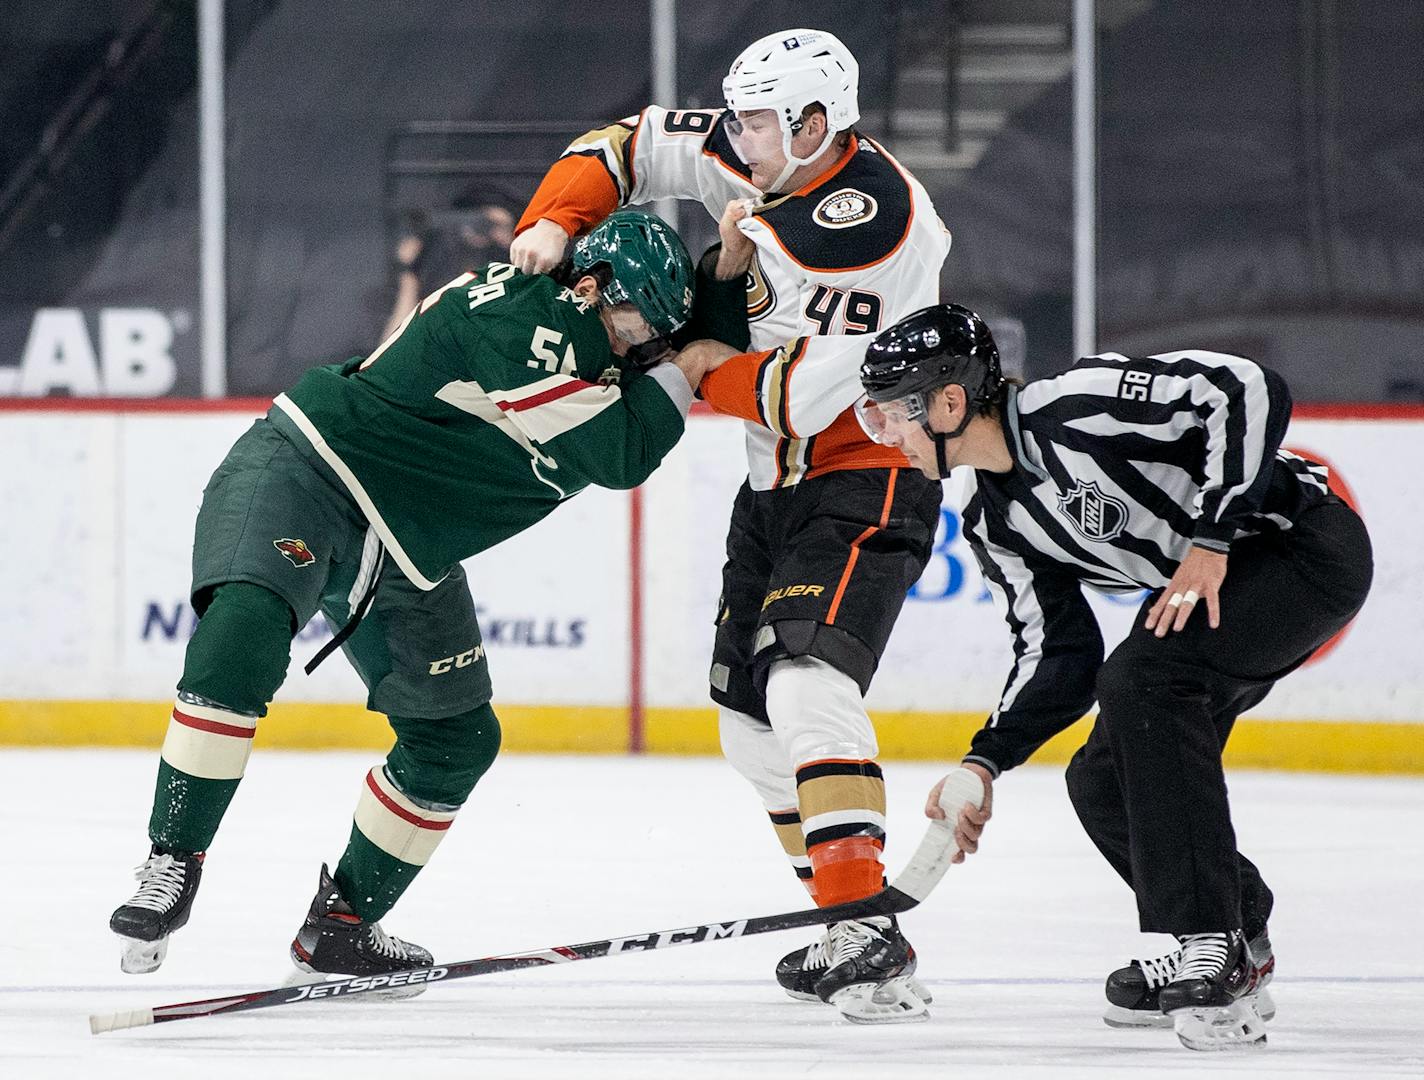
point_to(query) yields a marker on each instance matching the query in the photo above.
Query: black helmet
(933, 347)
(936, 346)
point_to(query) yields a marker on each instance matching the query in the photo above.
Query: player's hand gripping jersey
(845, 256)
(480, 414)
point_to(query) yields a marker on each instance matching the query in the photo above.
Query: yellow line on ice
(1307, 745)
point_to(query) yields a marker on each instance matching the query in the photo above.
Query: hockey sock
(754, 751)
(234, 663)
(843, 818)
(787, 824)
(408, 805)
(820, 719)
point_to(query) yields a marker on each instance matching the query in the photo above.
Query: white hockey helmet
(786, 72)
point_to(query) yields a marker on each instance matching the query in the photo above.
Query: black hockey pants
(1148, 784)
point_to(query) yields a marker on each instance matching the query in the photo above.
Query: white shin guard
(817, 712)
(756, 753)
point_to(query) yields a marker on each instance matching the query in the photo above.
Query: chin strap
(793, 162)
(941, 441)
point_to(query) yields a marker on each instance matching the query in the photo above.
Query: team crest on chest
(844, 208)
(761, 297)
(1097, 516)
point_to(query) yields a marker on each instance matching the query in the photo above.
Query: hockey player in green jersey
(501, 395)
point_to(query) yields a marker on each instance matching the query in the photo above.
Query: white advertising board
(99, 511)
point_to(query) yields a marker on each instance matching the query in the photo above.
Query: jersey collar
(1013, 436)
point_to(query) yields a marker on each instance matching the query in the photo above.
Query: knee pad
(817, 712)
(239, 653)
(787, 639)
(753, 750)
(438, 762)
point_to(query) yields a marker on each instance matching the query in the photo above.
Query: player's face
(901, 424)
(756, 137)
(626, 327)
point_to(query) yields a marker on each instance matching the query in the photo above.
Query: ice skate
(168, 881)
(334, 941)
(1214, 998)
(869, 972)
(1132, 991)
(799, 971)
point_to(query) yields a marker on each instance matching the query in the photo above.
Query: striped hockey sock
(787, 824)
(204, 755)
(392, 837)
(842, 805)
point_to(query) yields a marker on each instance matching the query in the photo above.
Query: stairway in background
(966, 66)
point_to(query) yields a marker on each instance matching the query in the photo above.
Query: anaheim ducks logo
(844, 208)
(296, 551)
(761, 297)
(1097, 516)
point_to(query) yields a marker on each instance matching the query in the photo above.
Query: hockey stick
(914, 883)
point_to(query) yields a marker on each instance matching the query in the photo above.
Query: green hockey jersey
(494, 401)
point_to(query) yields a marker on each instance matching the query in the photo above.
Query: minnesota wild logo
(296, 551)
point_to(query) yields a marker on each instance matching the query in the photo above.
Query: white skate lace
(160, 880)
(386, 945)
(849, 939)
(818, 953)
(1160, 970)
(1203, 956)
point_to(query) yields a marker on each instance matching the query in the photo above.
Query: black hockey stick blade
(913, 884)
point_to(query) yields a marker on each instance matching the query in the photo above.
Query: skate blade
(1115, 1016)
(138, 957)
(890, 1002)
(1238, 1026)
(919, 989)
(302, 975)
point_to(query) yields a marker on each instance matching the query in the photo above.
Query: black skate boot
(1132, 991)
(168, 881)
(335, 941)
(1213, 999)
(868, 973)
(799, 971)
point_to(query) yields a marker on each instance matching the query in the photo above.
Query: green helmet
(650, 267)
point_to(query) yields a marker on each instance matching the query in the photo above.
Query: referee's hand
(970, 826)
(1198, 579)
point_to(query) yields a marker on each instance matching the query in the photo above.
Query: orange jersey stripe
(732, 388)
(844, 445)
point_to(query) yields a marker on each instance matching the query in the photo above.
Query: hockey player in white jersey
(833, 238)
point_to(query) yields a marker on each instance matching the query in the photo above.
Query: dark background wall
(1261, 179)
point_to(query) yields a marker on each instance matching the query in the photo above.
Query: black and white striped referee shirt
(1121, 464)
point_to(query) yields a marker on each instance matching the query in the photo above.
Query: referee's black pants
(1148, 784)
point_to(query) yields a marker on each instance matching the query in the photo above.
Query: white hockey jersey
(847, 255)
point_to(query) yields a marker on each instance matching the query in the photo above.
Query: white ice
(561, 850)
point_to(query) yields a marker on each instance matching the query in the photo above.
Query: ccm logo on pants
(464, 659)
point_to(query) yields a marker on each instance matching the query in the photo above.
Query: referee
(1123, 473)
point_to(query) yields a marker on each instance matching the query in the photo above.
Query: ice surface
(555, 851)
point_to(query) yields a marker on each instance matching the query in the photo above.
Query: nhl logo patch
(1095, 515)
(845, 208)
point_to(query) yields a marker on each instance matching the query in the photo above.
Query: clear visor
(881, 419)
(756, 136)
(630, 326)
